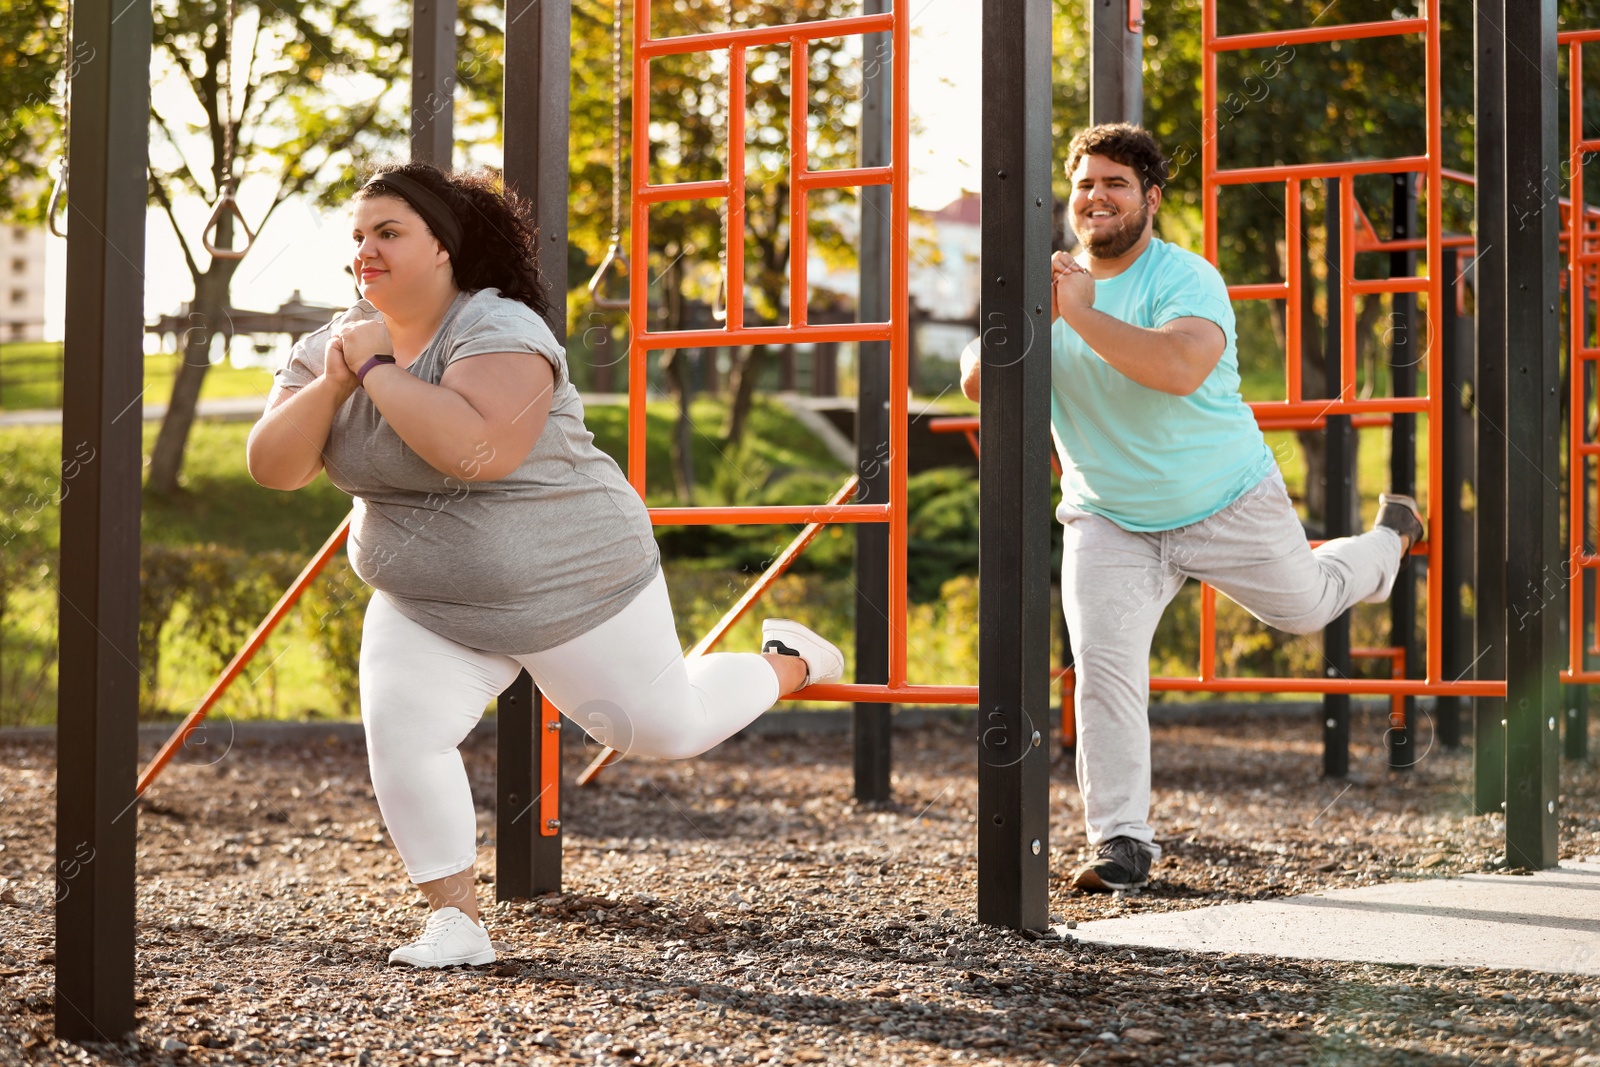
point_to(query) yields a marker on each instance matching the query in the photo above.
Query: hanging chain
(225, 187)
(58, 191)
(616, 122)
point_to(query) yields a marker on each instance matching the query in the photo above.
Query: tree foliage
(33, 66)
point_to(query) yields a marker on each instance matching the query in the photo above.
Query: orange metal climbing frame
(737, 42)
(1582, 242)
(1295, 407)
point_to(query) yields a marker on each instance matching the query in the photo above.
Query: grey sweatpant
(1115, 585)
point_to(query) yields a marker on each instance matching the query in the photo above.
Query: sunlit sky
(305, 249)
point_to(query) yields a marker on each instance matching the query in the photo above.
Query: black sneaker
(1122, 863)
(1402, 515)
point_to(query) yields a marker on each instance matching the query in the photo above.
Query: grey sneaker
(1401, 514)
(1121, 863)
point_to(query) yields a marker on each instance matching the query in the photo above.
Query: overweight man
(1165, 477)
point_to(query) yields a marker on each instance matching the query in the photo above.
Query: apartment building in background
(21, 283)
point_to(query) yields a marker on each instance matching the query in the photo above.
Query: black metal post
(1336, 504)
(1116, 62)
(433, 80)
(1488, 730)
(873, 723)
(1014, 547)
(97, 707)
(1534, 564)
(1404, 353)
(1460, 446)
(538, 73)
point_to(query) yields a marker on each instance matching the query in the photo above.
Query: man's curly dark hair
(1125, 143)
(500, 244)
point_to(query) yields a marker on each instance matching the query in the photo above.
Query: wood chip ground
(740, 909)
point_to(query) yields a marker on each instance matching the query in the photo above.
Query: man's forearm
(1160, 359)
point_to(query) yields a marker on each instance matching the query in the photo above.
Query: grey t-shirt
(518, 565)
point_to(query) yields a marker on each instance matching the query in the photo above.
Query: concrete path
(1548, 921)
(235, 409)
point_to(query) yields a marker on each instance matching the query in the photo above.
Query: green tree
(287, 89)
(33, 61)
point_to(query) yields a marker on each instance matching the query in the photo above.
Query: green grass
(30, 374)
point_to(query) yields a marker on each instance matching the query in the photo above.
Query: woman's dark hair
(1125, 143)
(500, 246)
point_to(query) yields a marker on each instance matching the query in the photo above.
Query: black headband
(434, 211)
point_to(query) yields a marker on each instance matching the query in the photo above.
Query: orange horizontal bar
(1389, 285)
(1304, 171)
(770, 514)
(1417, 244)
(953, 424)
(1372, 686)
(846, 692)
(844, 179)
(751, 36)
(1577, 36)
(1318, 408)
(969, 423)
(660, 194)
(1261, 291)
(1359, 422)
(1378, 653)
(1353, 31)
(1587, 146)
(1580, 677)
(762, 335)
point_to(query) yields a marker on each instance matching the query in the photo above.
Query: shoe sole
(1090, 882)
(478, 960)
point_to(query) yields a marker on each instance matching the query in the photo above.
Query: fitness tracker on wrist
(376, 361)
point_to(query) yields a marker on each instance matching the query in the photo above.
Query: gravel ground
(740, 909)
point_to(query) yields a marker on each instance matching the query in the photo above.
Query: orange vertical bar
(1347, 296)
(1208, 632)
(736, 189)
(1577, 463)
(799, 163)
(1436, 506)
(639, 260)
(549, 770)
(1069, 702)
(1292, 239)
(1208, 126)
(899, 337)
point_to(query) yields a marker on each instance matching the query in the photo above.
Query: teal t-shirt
(1145, 459)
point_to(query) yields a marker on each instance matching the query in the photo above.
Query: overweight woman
(496, 536)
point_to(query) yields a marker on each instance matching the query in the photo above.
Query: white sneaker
(451, 939)
(824, 662)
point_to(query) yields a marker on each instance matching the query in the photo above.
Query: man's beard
(1119, 240)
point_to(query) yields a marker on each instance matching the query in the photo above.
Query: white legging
(625, 683)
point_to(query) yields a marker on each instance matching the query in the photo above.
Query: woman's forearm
(438, 424)
(284, 450)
